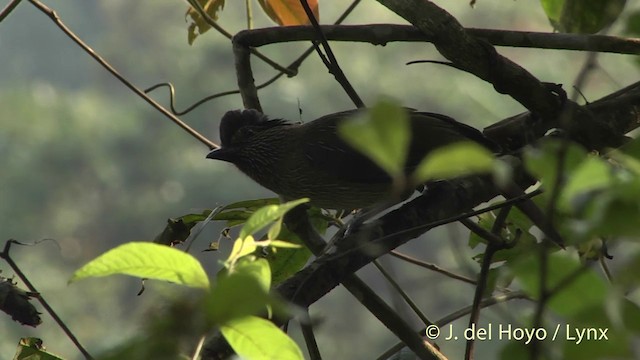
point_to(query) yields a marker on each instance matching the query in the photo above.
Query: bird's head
(240, 130)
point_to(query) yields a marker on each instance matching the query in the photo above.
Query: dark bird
(311, 160)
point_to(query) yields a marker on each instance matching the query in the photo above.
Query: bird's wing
(327, 152)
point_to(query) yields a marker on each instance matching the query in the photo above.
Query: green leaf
(240, 292)
(32, 349)
(485, 221)
(285, 262)
(593, 173)
(381, 133)
(584, 290)
(633, 26)
(242, 247)
(264, 216)
(147, 260)
(582, 16)
(252, 205)
(257, 338)
(458, 159)
(274, 230)
(279, 244)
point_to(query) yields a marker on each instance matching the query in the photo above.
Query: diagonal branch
(477, 56)
(56, 19)
(382, 34)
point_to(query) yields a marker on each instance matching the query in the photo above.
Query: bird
(311, 160)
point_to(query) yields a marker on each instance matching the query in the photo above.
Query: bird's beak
(223, 154)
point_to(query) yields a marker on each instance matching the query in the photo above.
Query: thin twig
(210, 21)
(5, 255)
(495, 243)
(332, 64)
(497, 299)
(249, 6)
(293, 70)
(431, 267)
(196, 353)
(402, 293)
(8, 9)
(310, 340)
(56, 19)
(509, 202)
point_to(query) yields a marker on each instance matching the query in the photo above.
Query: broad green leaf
(237, 213)
(616, 345)
(289, 12)
(514, 350)
(633, 26)
(584, 290)
(542, 161)
(628, 156)
(458, 159)
(285, 262)
(256, 338)
(252, 205)
(147, 260)
(593, 173)
(240, 292)
(242, 247)
(274, 230)
(233, 217)
(582, 16)
(485, 221)
(258, 269)
(212, 8)
(264, 216)
(382, 133)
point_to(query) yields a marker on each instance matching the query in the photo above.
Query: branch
(478, 57)
(382, 34)
(56, 19)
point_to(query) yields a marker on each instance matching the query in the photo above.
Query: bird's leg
(357, 221)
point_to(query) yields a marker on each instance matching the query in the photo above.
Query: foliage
(227, 304)
(582, 16)
(593, 198)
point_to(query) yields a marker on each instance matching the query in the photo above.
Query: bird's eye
(245, 132)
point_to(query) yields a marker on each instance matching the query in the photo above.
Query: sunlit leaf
(242, 247)
(256, 338)
(274, 230)
(382, 133)
(289, 12)
(264, 216)
(458, 159)
(147, 260)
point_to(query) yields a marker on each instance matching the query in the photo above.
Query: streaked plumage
(311, 160)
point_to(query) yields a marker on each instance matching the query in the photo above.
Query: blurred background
(89, 165)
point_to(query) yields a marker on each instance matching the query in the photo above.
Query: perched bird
(311, 160)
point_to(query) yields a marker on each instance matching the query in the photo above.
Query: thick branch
(381, 34)
(620, 113)
(477, 56)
